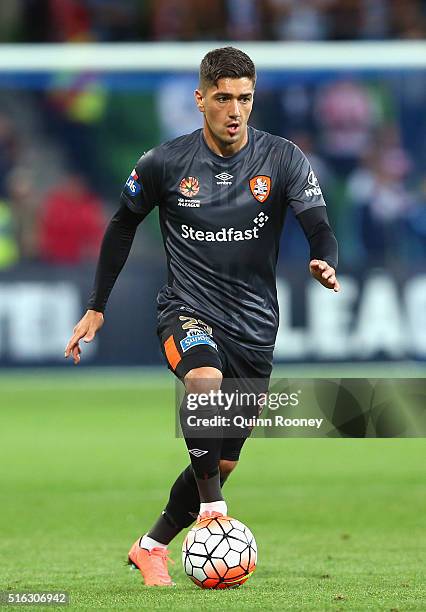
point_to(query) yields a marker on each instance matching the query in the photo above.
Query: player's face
(226, 108)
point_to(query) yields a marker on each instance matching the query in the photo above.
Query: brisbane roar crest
(260, 187)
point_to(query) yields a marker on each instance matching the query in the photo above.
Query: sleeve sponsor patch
(314, 189)
(132, 186)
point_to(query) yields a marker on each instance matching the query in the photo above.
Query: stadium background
(69, 138)
(338, 522)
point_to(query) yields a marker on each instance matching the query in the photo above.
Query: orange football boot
(152, 564)
(207, 514)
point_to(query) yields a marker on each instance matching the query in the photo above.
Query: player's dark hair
(226, 62)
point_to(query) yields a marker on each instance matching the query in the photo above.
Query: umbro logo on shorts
(197, 452)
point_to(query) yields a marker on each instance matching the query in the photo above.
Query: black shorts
(188, 341)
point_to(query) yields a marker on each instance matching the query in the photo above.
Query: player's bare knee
(196, 415)
(226, 467)
(203, 380)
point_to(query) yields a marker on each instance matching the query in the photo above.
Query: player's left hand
(324, 273)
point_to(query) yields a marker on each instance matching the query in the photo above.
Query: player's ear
(199, 100)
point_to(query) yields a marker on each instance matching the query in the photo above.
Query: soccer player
(222, 194)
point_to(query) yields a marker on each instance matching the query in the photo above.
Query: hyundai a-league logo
(189, 187)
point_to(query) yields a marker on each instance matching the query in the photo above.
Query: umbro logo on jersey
(260, 187)
(197, 452)
(224, 178)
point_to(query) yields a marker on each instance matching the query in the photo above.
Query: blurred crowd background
(69, 140)
(67, 148)
(188, 20)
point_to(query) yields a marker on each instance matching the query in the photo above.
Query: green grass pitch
(86, 463)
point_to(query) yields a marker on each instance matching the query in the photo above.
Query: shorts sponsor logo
(189, 187)
(315, 189)
(195, 339)
(132, 186)
(260, 187)
(224, 178)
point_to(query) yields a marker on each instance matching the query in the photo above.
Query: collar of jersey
(231, 158)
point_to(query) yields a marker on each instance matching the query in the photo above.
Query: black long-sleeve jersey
(221, 220)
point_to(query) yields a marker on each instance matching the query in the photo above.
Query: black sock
(181, 510)
(204, 444)
(164, 530)
(209, 488)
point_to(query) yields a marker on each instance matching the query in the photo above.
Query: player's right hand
(85, 330)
